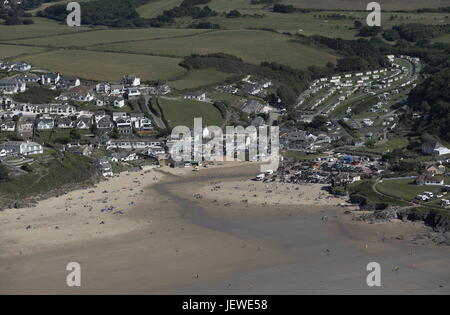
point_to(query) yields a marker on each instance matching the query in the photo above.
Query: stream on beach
(188, 245)
(326, 260)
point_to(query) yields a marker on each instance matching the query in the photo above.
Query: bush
(282, 8)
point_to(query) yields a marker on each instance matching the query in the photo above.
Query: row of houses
(125, 123)
(12, 66)
(130, 87)
(304, 140)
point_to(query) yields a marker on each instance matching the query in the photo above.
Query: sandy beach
(207, 232)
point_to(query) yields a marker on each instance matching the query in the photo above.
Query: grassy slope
(41, 27)
(252, 46)
(107, 36)
(72, 169)
(199, 78)
(361, 4)
(442, 39)
(108, 66)
(405, 188)
(153, 9)
(7, 51)
(364, 189)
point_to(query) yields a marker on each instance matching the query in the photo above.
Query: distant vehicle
(423, 198)
(260, 177)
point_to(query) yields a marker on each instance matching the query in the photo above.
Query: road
(158, 121)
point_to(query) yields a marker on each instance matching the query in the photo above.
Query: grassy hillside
(41, 27)
(153, 9)
(107, 66)
(107, 36)
(250, 45)
(7, 51)
(198, 78)
(361, 4)
(146, 51)
(70, 169)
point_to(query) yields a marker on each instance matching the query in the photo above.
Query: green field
(362, 4)
(311, 24)
(48, 4)
(107, 36)
(198, 78)
(154, 53)
(404, 188)
(7, 51)
(252, 46)
(104, 66)
(225, 97)
(155, 8)
(364, 189)
(442, 39)
(183, 112)
(41, 27)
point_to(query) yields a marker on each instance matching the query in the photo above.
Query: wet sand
(202, 245)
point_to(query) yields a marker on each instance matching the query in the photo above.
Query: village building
(27, 78)
(45, 123)
(55, 109)
(50, 78)
(66, 123)
(133, 92)
(116, 101)
(131, 143)
(105, 123)
(103, 88)
(12, 86)
(15, 66)
(25, 125)
(84, 123)
(434, 148)
(131, 80)
(22, 148)
(68, 82)
(117, 90)
(197, 96)
(255, 107)
(436, 170)
(428, 179)
(105, 167)
(7, 125)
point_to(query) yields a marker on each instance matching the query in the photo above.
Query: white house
(50, 78)
(22, 147)
(434, 148)
(12, 86)
(45, 123)
(133, 92)
(198, 96)
(103, 88)
(131, 80)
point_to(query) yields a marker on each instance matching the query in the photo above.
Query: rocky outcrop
(438, 220)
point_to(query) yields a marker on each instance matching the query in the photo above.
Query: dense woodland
(432, 99)
(114, 13)
(14, 14)
(123, 13)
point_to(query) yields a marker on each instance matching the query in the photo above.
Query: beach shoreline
(169, 241)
